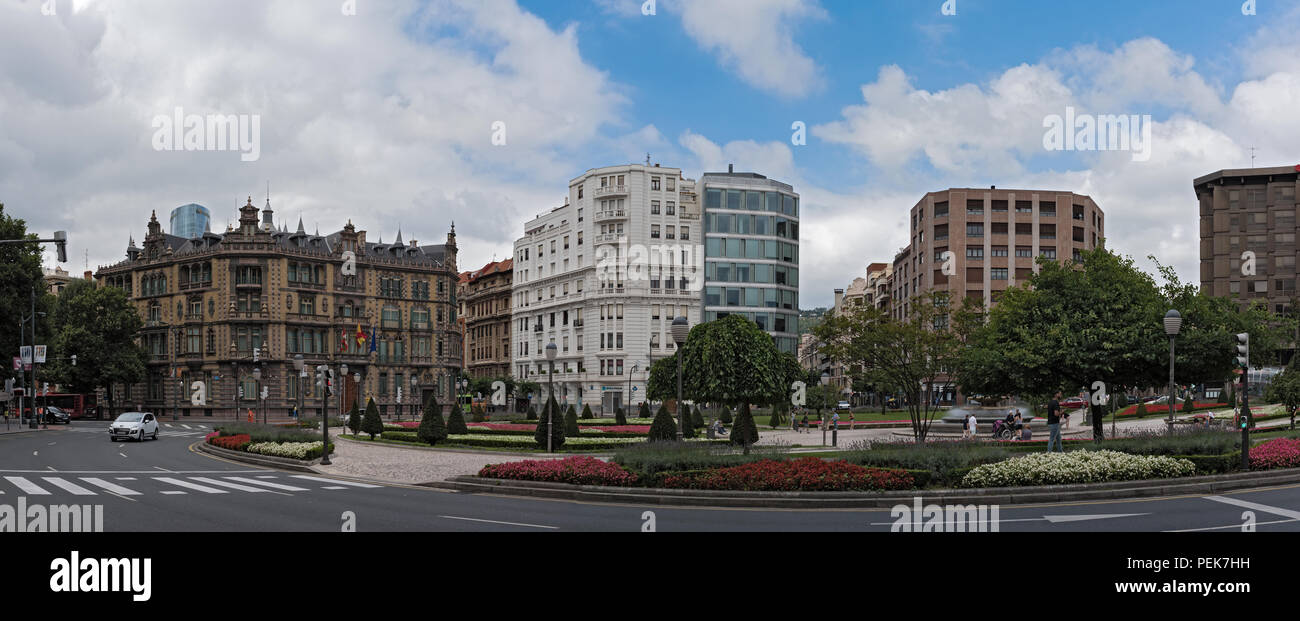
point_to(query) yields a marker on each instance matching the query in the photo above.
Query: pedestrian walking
(835, 421)
(974, 426)
(805, 423)
(1054, 424)
(851, 421)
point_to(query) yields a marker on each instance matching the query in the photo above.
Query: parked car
(136, 425)
(843, 406)
(57, 415)
(1074, 403)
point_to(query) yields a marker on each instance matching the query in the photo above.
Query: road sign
(6, 396)
(265, 393)
(25, 352)
(18, 363)
(40, 354)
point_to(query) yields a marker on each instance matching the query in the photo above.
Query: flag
(343, 340)
(374, 337)
(361, 337)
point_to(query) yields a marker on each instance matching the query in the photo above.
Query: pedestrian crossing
(175, 430)
(168, 484)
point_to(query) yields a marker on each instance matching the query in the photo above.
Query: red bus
(79, 407)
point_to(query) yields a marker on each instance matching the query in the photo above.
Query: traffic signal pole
(1243, 348)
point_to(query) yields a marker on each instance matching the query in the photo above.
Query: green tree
(456, 423)
(432, 429)
(1285, 389)
(697, 419)
(909, 356)
(744, 433)
(354, 419)
(371, 423)
(644, 413)
(663, 429)
(20, 275)
(553, 422)
(98, 325)
(525, 388)
(619, 417)
(586, 412)
(571, 429)
(532, 413)
(724, 415)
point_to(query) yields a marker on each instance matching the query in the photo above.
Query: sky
(413, 114)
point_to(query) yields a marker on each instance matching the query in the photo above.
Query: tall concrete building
(1248, 236)
(994, 236)
(190, 221)
(751, 248)
(602, 277)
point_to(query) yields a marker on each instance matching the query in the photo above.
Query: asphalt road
(164, 485)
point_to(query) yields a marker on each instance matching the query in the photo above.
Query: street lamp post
(324, 419)
(257, 388)
(551, 352)
(681, 328)
(826, 380)
(176, 369)
(234, 377)
(629, 383)
(1173, 323)
(415, 383)
(299, 366)
(338, 385)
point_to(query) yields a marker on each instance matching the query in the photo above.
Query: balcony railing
(618, 190)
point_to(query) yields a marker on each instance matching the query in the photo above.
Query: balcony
(620, 190)
(611, 214)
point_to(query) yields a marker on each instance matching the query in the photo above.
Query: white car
(137, 425)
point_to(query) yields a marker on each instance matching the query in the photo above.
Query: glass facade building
(751, 250)
(190, 221)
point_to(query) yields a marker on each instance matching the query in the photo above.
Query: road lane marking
(27, 486)
(1246, 504)
(194, 486)
(287, 488)
(220, 483)
(140, 471)
(185, 426)
(69, 486)
(167, 424)
(1228, 527)
(333, 487)
(112, 487)
(126, 478)
(162, 468)
(338, 481)
(34, 453)
(170, 492)
(452, 517)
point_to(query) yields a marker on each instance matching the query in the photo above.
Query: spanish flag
(361, 337)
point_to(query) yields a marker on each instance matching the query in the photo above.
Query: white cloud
(383, 117)
(755, 39)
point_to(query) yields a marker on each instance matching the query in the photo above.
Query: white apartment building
(603, 277)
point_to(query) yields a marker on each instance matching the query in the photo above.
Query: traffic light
(320, 381)
(62, 245)
(329, 382)
(1243, 350)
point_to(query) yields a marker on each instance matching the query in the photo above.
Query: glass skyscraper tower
(189, 221)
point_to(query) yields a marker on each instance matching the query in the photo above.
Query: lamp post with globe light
(681, 328)
(551, 352)
(1173, 324)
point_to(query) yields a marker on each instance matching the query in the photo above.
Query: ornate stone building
(486, 299)
(219, 306)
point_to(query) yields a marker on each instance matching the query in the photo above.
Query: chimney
(839, 297)
(731, 168)
(88, 276)
(415, 244)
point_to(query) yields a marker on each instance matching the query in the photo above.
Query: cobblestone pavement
(397, 464)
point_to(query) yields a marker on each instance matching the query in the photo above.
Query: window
(306, 305)
(1024, 252)
(975, 230)
(975, 208)
(654, 183)
(941, 209)
(999, 273)
(975, 253)
(999, 251)
(670, 208)
(1048, 252)
(686, 232)
(654, 231)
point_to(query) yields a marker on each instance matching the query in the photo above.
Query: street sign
(40, 354)
(265, 393)
(25, 352)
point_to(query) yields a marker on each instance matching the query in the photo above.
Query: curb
(1211, 484)
(470, 451)
(280, 463)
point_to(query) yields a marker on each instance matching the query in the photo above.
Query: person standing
(851, 422)
(972, 427)
(1054, 424)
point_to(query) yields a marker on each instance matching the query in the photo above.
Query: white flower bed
(1076, 467)
(292, 450)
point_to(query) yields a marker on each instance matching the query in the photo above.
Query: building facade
(220, 306)
(1248, 236)
(486, 296)
(602, 277)
(751, 248)
(190, 221)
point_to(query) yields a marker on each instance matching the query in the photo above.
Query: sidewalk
(396, 464)
(14, 428)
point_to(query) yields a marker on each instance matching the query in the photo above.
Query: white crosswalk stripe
(27, 486)
(194, 486)
(69, 486)
(144, 484)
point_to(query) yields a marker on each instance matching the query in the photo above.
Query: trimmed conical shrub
(550, 412)
(477, 413)
(688, 431)
(777, 419)
(1188, 404)
(1232, 396)
(744, 432)
(354, 419)
(456, 423)
(664, 428)
(532, 412)
(1141, 410)
(698, 418)
(725, 416)
(371, 423)
(645, 411)
(586, 413)
(571, 423)
(619, 417)
(432, 429)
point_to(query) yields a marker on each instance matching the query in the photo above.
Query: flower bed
(291, 450)
(1076, 467)
(234, 443)
(1164, 409)
(1279, 453)
(806, 474)
(572, 470)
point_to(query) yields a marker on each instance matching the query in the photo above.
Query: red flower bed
(1279, 453)
(807, 474)
(573, 470)
(1153, 409)
(234, 443)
